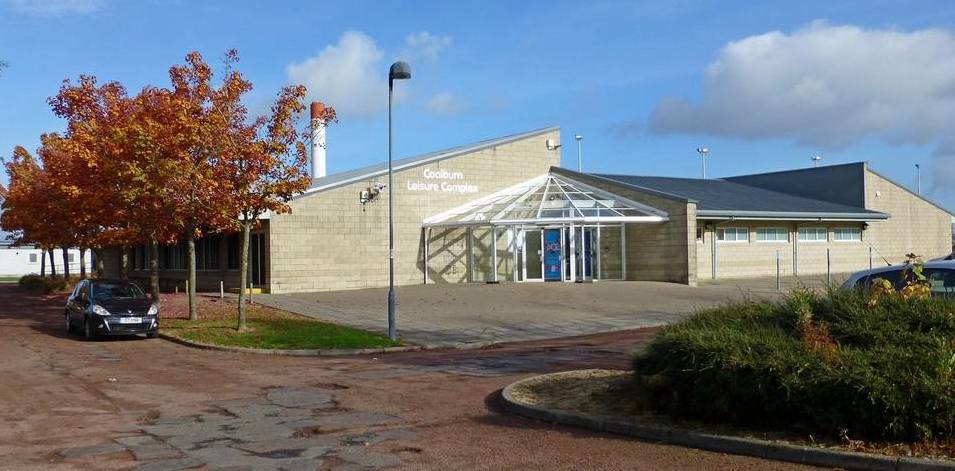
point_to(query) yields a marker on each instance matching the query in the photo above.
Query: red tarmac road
(57, 391)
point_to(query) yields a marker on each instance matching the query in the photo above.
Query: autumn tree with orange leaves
(199, 199)
(262, 162)
(166, 165)
(35, 207)
(128, 145)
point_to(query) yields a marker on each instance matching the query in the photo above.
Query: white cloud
(829, 86)
(53, 7)
(445, 103)
(824, 85)
(424, 45)
(348, 76)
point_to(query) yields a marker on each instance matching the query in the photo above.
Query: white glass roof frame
(472, 213)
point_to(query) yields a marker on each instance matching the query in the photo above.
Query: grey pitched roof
(841, 183)
(725, 198)
(371, 171)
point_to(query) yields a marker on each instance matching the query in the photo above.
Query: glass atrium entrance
(548, 229)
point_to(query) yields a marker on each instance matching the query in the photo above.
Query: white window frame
(835, 236)
(815, 230)
(736, 230)
(32, 258)
(776, 230)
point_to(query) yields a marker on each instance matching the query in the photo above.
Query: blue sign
(552, 254)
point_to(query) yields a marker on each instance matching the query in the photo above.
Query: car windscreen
(111, 290)
(893, 275)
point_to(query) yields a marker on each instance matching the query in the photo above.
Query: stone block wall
(331, 242)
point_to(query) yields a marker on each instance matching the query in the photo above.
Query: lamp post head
(399, 71)
(703, 150)
(578, 137)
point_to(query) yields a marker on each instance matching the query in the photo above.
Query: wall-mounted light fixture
(370, 194)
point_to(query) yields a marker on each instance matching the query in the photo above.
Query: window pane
(733, 234)
(812, 234)
(772, 234)
(848, 234)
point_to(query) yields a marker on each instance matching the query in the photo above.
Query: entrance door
(533, 256)
(257, 259)
(587, 247)
(553, 255)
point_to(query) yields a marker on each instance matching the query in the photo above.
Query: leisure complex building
(503, 210)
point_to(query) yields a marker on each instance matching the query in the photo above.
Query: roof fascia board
(808, 216)
(438, 156)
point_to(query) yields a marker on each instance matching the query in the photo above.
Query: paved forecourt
(475, 314)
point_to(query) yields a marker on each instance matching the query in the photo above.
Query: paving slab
(154, 451)
(170, 465)
(350, 420)
(83, 451)
(461, 315)
(301, 397)
(369, 459)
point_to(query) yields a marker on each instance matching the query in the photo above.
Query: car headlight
(153, 310)
(97, 309)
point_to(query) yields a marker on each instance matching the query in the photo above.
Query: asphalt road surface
(155, 405)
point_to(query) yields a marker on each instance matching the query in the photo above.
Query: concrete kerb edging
(291, 353)
(721, 443)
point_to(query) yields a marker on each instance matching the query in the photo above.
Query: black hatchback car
(111, 307)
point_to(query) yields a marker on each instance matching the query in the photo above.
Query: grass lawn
(9, 279)
(267, 328)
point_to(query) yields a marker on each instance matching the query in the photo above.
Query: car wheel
(152, 334)
(69, 325)
(88, 333)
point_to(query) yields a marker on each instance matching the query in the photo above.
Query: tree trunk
(42, 262)
(66, 264)
(100, 268)
(154, 269)
(82, 263)
(124, 263)
(243, 272)
(52, 263)
(191, 263)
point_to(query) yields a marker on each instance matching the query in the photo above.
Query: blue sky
(764, 85)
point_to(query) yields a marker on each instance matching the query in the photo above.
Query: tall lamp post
(703, 151)
(815, 160)
(579, 138)
(399, 71)
(918, 178)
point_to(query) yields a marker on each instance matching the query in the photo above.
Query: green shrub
(823, 362)
(42, 284)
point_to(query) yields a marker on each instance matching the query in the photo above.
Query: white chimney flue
(318, 139)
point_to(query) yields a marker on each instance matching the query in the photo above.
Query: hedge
(834, 363)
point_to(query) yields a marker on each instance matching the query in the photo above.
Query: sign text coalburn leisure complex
(442, 181)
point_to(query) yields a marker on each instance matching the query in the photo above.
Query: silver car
(940, 275)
